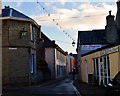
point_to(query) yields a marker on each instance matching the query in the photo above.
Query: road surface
(61, 88)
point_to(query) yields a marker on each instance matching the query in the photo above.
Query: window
(23, 33)
(32, 35)
(32, 64)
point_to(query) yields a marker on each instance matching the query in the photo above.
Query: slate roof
(10, 12)
(92, 37)
(49, 43)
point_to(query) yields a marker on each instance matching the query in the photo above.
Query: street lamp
(73, 43)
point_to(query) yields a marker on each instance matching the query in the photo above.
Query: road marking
(76, 91)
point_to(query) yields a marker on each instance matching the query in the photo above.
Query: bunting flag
(73, 43)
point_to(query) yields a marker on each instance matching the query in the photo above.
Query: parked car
(113, 88)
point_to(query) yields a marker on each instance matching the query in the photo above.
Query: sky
(61, 20)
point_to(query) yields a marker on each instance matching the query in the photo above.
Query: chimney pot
(53, 41)
(7, 7)
(110, 12)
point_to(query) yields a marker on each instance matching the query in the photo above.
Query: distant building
(20, 34)
(70, 63)
(76, 62)
(55, 57)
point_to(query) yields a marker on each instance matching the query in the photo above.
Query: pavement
(89, 90)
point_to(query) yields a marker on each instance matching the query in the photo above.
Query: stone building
(20, 34)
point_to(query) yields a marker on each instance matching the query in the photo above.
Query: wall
(113, 64)
(50, 59)
(68, 60)
(89, 69)
(19, 66)
(0, 7)
(113, 59)
(5, 66)
(16, 52)
(60, 64)
(72, 61)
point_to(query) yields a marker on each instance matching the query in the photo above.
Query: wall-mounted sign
(90, 47)
(12, 48)
(109, 51)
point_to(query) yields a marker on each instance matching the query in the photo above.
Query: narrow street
(61, 88)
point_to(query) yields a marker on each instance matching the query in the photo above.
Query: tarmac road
(61, 88)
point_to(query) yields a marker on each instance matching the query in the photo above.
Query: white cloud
(86, 18)
(18, 4)
(62, 2)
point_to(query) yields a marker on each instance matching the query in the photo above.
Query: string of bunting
(57, 24)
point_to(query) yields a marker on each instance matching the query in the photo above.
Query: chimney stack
(7, 7)
(53, 41)
(118, 15)
(111, 29)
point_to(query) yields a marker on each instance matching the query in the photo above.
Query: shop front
(99, 66)
(105, 65)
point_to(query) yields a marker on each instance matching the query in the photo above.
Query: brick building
(20, 34)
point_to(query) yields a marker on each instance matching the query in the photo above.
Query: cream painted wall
(113, 64)
(119, 59)
(89, 68)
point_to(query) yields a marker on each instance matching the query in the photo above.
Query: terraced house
(55, 57)
(20, 40)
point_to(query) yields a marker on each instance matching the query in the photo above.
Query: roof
(10, 12)
(92, 37)
(49, 43)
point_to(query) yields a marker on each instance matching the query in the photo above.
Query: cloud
(62, 2)
(86, 17)
(18, 4)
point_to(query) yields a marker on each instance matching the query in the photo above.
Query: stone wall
(17, 52)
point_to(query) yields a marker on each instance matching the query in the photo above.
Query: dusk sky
(69, 17)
